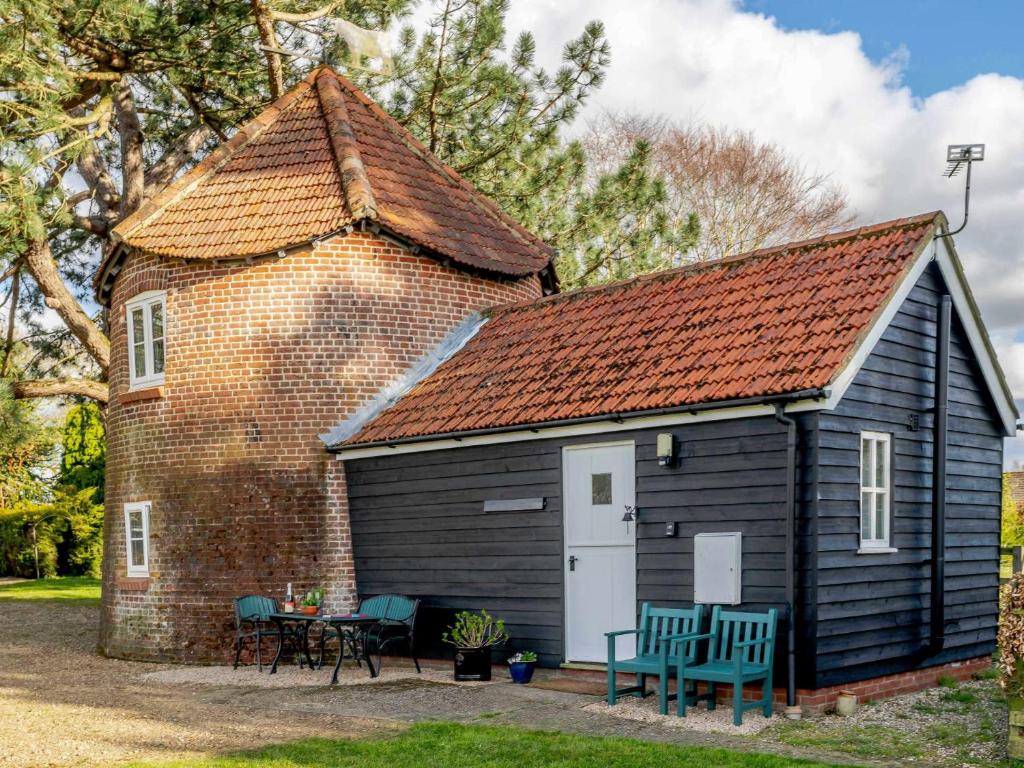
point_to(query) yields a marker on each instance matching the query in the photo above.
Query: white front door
(600, 570)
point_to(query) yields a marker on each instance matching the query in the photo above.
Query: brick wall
(1015, 481)
(261, 360)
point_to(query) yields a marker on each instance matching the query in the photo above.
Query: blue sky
(948, 42)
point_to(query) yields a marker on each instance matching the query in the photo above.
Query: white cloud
(821, 98)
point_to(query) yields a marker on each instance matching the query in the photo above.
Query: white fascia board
(575, 430)
(977, 335)
(942, 253)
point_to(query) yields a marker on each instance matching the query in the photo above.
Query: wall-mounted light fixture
(629, 517)
(666, 449)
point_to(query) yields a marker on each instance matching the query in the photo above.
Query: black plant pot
(473, 664)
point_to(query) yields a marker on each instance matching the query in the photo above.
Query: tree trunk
(133, 170)
(265, 26)
(40, 264)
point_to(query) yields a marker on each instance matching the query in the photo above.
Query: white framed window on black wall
(875, 492)
(145, 315)
(136, 534)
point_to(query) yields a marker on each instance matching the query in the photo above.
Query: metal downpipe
(792, 710)
(937, 622)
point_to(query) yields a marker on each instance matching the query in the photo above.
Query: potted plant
(473, 635)
(521, 666)
(1011, 660)
(311, 602)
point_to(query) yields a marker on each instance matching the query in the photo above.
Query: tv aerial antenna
(958, 157)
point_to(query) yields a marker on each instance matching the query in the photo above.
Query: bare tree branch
(93, 169)
(298, 18)
(12, 314)
(97, 225)
(164, 169)
(95, 390)
(41, 265)
(746, 195)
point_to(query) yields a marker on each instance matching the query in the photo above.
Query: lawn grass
(450, 745)
(868, 740)
(83, 590)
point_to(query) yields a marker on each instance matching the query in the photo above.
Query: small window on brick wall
(146, 342)
(136, 529)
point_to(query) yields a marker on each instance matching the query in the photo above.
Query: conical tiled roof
(322, 157)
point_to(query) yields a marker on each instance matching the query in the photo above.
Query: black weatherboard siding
(872, 610)
(418, 525)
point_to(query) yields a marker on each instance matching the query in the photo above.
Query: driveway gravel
(61, 704)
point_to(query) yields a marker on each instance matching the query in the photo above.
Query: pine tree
(500, 121)
(105, 101)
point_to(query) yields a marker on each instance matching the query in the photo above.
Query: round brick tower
(268, 294)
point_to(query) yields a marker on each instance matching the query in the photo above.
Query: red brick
(293, 345)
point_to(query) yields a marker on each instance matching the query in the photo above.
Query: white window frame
(881, 541)
(145, 301)
(144, 508)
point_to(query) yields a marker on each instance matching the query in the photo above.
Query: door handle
(572, 562)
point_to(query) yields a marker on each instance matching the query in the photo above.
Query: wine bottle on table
(289, 600)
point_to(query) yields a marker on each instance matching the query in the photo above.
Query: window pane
(138, 552)
(601, 488)
(881, 460)
(158, 356)
(865, 516)
(135, 523)
(157, 311)
(138, 326)
(880, 515)
(865, 462)
(140, 360)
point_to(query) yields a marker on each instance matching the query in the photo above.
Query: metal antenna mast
(957, 156)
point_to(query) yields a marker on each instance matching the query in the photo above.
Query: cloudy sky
(868, 92)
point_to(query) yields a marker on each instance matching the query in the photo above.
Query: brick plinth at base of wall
(821, 700)
(875, 688)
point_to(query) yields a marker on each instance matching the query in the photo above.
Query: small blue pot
(522, 671)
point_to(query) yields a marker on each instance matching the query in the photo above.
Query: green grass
(449, 745)
(83, 590)
(871, 741)
(960, 697)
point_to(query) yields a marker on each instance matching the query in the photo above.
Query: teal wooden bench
(741, 649)
(659, 649)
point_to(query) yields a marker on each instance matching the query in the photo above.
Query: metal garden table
(352, 629)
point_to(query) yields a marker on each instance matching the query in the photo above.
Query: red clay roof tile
(772, 322)
(320, 158)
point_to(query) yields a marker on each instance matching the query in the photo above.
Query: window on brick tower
(145, 315)
(136, 530)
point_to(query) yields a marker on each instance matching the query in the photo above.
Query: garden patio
(62, 704)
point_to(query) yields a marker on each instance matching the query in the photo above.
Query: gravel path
(61, 704)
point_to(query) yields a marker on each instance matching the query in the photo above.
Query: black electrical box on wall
(670, 529)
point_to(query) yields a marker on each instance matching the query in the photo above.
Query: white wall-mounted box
(717, 573)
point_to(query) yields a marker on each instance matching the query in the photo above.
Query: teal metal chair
(396, 625)
(741, 648)
(252, 620)
(660, 648)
